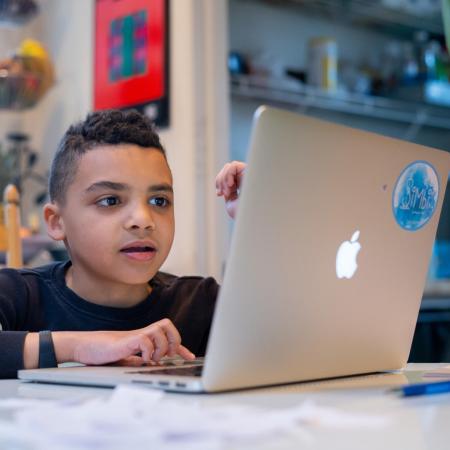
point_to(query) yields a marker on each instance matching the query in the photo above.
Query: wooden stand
(12, 222)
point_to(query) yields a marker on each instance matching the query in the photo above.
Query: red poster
(131, 56)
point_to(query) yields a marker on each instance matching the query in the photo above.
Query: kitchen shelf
(300, 98)
(369, 13)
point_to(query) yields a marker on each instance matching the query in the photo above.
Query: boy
(111, 202)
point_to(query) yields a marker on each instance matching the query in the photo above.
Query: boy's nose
(141, 218)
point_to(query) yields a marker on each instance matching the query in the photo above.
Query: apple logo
(346, 257)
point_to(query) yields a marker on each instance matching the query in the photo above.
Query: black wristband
(47, 357)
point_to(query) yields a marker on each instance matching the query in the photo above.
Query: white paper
(134, 417)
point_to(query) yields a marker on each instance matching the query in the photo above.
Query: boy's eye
(161, 202)
(108, 201)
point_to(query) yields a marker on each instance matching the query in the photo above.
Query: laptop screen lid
(291, 309)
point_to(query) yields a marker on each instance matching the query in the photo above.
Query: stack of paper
(442, 372)
(139, 418)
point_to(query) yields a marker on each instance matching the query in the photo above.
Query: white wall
(10, 39)
(197, 138)
(65, 29)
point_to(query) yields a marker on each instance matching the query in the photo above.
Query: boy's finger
(225, 178)
(146, 348)
(222, 173)
(219, 179)
(131, 346)
(131, 361)
(230, 175)
(220, 185)
(168, 339)
(171, 332)
(185, 353)
(161, 345)
(167, 327)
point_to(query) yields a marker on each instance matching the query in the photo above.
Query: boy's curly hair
(109, 127)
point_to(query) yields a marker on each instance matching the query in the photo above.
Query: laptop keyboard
(194, 371)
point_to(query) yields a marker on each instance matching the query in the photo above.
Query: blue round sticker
(415, 195)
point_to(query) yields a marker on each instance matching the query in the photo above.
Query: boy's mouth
(139, 251)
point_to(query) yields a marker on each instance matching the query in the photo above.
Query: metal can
(322, 63)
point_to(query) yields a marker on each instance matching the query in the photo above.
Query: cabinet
(398, 18)
(304, 97)
(275, 33)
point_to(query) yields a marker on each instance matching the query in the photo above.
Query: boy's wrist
(31, 351)
(64, 343)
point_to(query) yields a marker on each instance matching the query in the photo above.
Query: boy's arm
(11, 352)
(15, 312)
(20, 349)
(228, 183)
(102, 347)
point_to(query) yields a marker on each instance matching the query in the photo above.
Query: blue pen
(438, 387)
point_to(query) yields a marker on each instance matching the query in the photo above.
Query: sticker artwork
(127, 46)
(415, 195)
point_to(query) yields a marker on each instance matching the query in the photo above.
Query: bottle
(420, 45)
(431, 56)
(323, 58)
(410, 68)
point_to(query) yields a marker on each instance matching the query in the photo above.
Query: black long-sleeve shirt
(38, 299)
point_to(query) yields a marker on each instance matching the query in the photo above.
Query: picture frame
(131, 58)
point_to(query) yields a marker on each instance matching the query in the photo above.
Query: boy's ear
(54, 222)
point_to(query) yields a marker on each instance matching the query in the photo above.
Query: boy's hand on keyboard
(137, 346)
(228, 184)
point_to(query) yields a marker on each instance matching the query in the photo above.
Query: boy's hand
(136, 347)
(228, 183)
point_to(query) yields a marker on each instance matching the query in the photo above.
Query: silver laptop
(327, 265)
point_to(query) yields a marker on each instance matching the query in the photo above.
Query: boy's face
(118, 217)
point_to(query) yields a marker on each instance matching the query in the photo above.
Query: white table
(415, 422)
